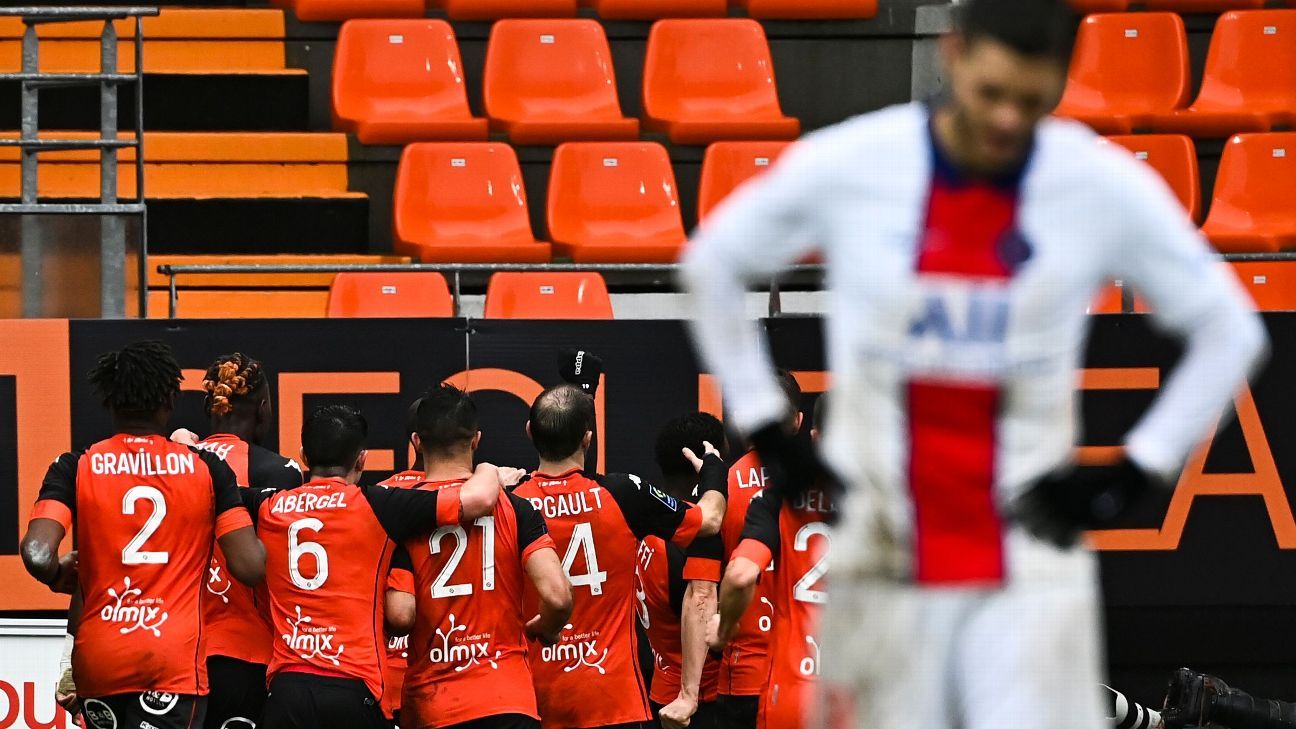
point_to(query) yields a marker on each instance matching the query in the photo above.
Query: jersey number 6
(296, 548)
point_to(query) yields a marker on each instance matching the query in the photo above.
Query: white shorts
(900, 656)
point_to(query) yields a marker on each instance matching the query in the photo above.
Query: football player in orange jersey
(146, 513)
(400, 587)
(238, 625)
(329, 544)
(591, 677)
(793, 534)
(677, 589)
(745, 664)
(468, 665)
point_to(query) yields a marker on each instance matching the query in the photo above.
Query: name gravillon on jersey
(141, 463)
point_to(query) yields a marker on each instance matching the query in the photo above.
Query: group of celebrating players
(215, 585)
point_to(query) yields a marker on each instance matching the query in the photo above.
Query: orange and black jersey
(328, 552)
(591, 677)
(146, 512)
(237, 621)
(468, 651)
(400, 580)
(794, 534)
(745, 664)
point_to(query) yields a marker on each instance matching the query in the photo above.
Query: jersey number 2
(802, 589)
(439, 587)
(131, 553)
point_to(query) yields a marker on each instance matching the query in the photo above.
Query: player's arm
(406, 513)
(650, 511)
(50, 523)
(245, 555)
(544, 570)
(399, 609)
(701, 572)
(752, 556)
(766, 224)
(712, 488)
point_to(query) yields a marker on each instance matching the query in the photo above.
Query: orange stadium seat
(614, 202)
(810, 9)
(463, 203)
(547, 296)
(654, 9)
(1126, 68)
(400, 81)
(1252, 209)
(1272, 284)
(727, 165)
(333, 10)
(377, 295)
(707, 80)
(549, 81)
(1175, 157)
(494, 9)
(1249, 84)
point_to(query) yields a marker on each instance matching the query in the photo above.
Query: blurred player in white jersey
(964, 239)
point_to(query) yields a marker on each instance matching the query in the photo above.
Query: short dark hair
(446, 419)
(137, 380)
(820, 412)
(333, 436)
(560, 418)
(1038, 28)
(687, 431)
(791, 390)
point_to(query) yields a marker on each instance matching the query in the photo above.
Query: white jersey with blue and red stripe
(956, 323)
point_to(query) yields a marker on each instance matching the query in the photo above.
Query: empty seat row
(509, 295)
(1271, 284)
(551, 81)
(332, 10)
(1130, 72)
(1251, 209)
(608, 202)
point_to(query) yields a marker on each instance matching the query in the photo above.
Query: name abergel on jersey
(296, 503)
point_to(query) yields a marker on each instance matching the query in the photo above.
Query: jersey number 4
(582, 541)
(440, 588)
(131, 553)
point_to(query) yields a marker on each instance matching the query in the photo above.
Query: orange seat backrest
(810, 9)
(613, 192)
(451, 193)
(653, 9)
(547, 66)
(1175, 158)
(1256, 182)
(727, 165)
(1129, 61)
(1272, 284)
(547, 296)
(707, 66)
(493, 9)
(411, 63)
(410, 294)
(1252, 58)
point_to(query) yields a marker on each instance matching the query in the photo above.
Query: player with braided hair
(147, 511)
(239, 638)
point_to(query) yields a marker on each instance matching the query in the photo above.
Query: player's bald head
(560, 418)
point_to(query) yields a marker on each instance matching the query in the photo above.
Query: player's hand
(581, 368)
(678, 713)
(65, 695)
(65, 582)
(694, 460)
(1064, 503)
(184, 436)
(792, 466)
(510, 477)
(535, 631)
(714, 642)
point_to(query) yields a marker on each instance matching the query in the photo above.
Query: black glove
(791, 465)
(581, 368)
(1064, 503)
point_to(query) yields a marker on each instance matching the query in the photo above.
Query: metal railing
(802, 273)
(455, 271)
(113, 231)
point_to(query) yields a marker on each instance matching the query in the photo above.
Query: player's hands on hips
(1062, 504)
(695, 460)
(581, 368)
(678, 713)
(535, 631)
(185, 436)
